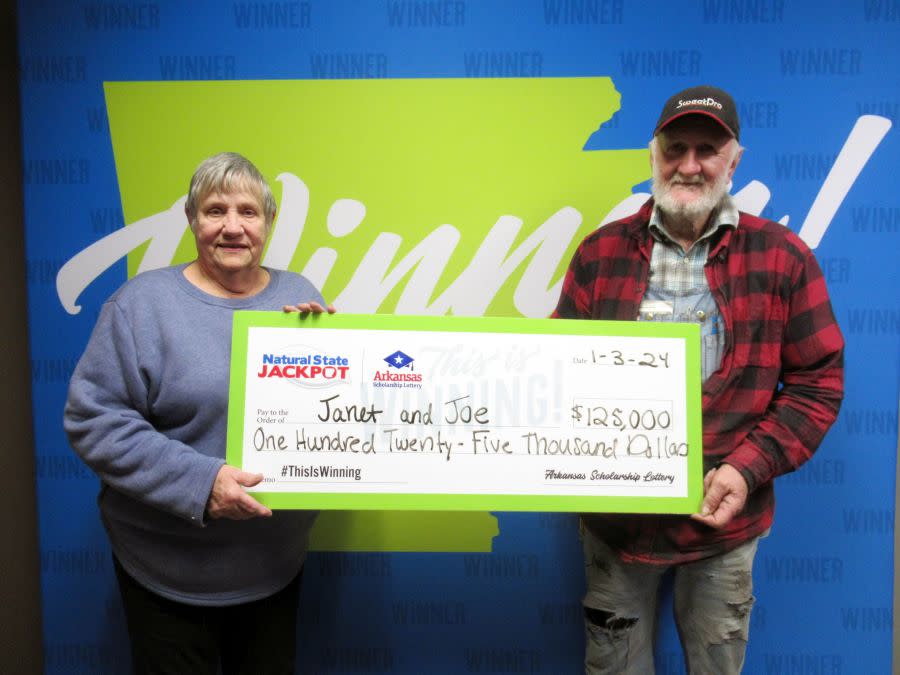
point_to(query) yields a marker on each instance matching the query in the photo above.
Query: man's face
(693, 162)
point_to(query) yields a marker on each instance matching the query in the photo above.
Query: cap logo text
(709, 101)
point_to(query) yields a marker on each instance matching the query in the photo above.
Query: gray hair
(225, 173)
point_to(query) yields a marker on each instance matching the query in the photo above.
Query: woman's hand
(309, 308)
(228, 499)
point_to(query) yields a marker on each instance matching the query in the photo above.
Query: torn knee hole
(741, 609)
(608, 620)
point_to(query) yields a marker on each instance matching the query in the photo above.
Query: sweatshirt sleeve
(106, 419)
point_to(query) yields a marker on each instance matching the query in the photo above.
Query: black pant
(171, 637)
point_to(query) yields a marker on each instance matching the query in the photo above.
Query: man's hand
(726, 493)
(309, 308)
(228, 499)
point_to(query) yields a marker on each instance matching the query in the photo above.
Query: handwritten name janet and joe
(455, 426)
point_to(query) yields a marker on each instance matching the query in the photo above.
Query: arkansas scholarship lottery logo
(400, 372)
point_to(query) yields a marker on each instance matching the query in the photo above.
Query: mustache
(688, 180)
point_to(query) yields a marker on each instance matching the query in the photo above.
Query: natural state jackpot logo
(310, 369)
(400, 362)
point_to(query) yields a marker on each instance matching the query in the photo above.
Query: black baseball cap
(702, 100)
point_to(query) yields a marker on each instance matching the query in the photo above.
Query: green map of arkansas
(416, 196)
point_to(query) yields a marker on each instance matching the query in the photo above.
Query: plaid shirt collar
(725, 216)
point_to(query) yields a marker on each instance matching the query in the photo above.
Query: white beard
(697, 209)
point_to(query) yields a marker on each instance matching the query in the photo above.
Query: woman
(206, 572)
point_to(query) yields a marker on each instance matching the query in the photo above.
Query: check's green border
(690, 333)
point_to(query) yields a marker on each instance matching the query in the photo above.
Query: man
(772, 372)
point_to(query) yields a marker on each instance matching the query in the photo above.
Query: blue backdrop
(804, 74)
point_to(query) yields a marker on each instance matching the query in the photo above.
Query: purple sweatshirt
(147, 411)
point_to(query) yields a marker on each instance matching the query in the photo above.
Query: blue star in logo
(398, 359)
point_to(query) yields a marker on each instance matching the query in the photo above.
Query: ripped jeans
(712, 598)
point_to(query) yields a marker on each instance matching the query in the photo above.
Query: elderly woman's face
(230, 231)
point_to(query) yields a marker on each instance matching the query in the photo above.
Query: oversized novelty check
(453, 413)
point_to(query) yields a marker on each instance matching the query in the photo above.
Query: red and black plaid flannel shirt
(776, 393)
